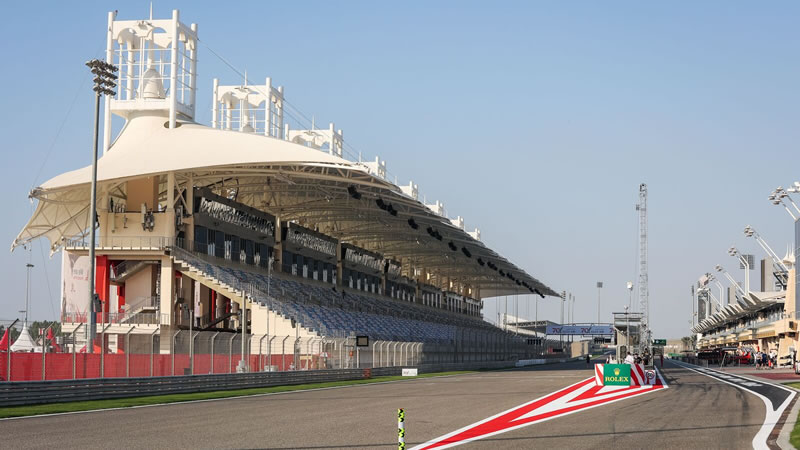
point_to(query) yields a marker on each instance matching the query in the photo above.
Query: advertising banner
(74, 283)
(617, 375)
(580, 330)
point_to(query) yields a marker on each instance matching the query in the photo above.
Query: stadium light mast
(777, 196)
(743, 260)
(104, 84)
(714, 279)
(751, 232)
(599, 287)
(733, 282)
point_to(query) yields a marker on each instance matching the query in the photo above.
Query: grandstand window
(286, 261)
(200, 236)
(220, 246)
(250, 252)
(228, 246)
(211, 246)
(263, 253)
(235, 248)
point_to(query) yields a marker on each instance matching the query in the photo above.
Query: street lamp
(751, 232)
(777, 196)
(733, 282)
(627, 330)
(599, 287)
(630, 293)
(103, 85)
(743, 260)
(714, 279)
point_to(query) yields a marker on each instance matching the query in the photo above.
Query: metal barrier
(40, 392)
(140, 350)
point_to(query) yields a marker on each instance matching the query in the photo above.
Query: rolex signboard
(616, 375)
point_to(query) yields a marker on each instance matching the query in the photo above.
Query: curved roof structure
(291, 181)
(752, 303)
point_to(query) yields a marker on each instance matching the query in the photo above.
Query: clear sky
(535, 121)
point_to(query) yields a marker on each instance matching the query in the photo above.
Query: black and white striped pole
(401, 429)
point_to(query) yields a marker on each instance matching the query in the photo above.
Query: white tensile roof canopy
(288, 180)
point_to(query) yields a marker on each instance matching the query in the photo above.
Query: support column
(166, 296)
(277, 250)
(102, 282)
(340, 267)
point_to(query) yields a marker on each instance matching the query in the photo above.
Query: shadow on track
(552, 436)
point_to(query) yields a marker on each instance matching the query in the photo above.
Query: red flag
(97, 349)
(4, 342)
(51, 339)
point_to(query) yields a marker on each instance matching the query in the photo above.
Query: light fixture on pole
(777, 196)
(104, 76)
(776, 260)
(784, 194)
(629, 285)
(28, 268)
(733, 282)
(745, 263)
(712, 278)
(599, 287)
(627, 330)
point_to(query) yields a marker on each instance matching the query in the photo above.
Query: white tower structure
(249, 108)
(377, 167)
(412, 190)
(158, 69)
(644, 292)
(330, 140)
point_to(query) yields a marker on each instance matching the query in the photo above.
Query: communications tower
(644, 293)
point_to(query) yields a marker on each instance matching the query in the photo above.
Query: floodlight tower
(644, 293)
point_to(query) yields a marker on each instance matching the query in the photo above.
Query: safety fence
(181, 352)
(39, 392)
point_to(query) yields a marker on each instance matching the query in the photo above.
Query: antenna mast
(644, 293)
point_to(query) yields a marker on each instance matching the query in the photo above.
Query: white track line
(770, 419)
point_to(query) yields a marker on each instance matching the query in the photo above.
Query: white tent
(25, 342)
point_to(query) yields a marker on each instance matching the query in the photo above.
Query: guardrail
(17, 393)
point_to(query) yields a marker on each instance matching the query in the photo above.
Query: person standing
(588, 360)
(629, 359)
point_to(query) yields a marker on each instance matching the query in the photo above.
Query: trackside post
(401, 429)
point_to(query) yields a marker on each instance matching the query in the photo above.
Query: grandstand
(251, 225)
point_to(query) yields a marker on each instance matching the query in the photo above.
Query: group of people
(636, 358)
(764, 360)
(633, 358)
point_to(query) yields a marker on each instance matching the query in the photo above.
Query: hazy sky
(535, 121)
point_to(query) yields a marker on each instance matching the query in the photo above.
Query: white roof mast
(248, 108)
(158, 69)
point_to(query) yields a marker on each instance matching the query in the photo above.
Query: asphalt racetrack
(696, 411)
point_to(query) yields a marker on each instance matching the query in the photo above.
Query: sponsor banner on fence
(581, 330)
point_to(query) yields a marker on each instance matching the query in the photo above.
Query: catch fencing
(39, 392)
(182, 352)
